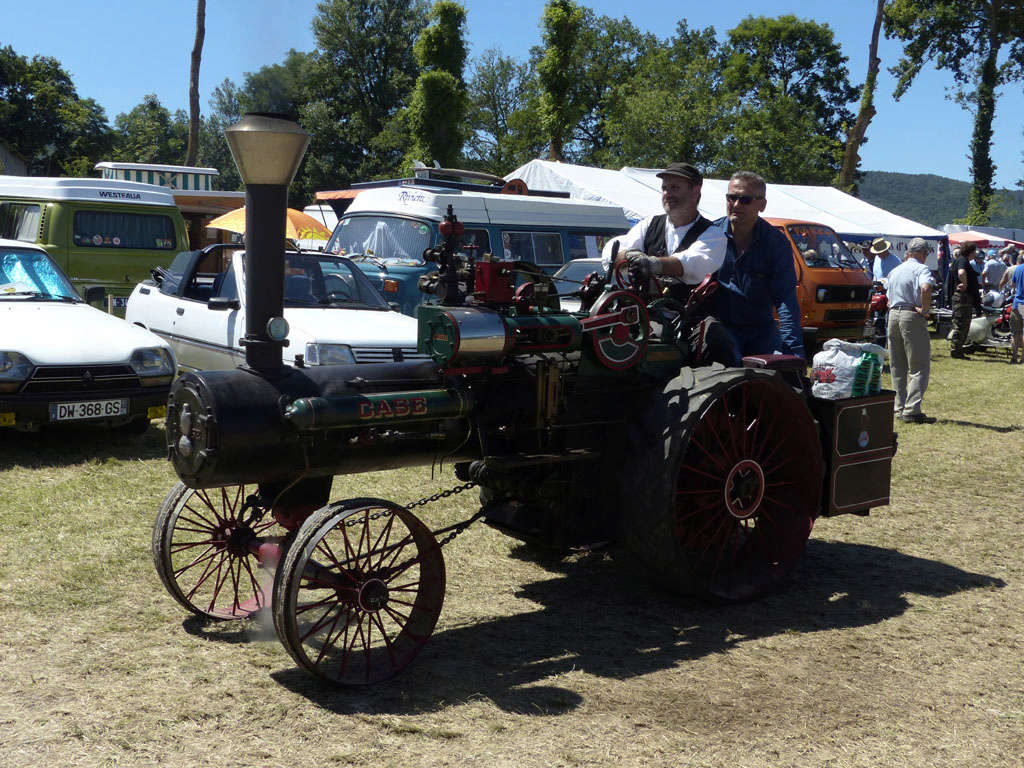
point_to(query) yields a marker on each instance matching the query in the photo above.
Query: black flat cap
(683, 170)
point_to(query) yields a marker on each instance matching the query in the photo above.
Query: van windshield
(392, 239)
(821, 248)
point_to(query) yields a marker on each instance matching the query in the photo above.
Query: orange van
(831, 286)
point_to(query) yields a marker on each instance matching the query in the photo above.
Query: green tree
(281, 88)
(610, 52)
(787, 56)
(558, 70)
(150, 134)
(362, 76)
(44, 120)
(503, 133)
(437, 108)
(982, 43)
(226, 109)
(673, 108)
(780, 140)
(856, 136)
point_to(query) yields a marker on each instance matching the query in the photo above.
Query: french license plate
(88, 409)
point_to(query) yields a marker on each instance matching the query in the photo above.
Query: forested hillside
(934, 200)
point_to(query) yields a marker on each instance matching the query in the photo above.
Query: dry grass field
(899, 641)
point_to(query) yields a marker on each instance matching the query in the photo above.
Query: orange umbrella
(298, 225)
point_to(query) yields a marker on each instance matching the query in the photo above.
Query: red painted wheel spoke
(202, 525)
(381, 544)
(711, 456)
(691, 468)
(209, 561)
(339, 615)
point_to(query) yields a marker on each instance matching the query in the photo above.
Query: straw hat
(880, 245)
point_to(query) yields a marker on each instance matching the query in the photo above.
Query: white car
(334, 313)
(569, 279)
(63, 361)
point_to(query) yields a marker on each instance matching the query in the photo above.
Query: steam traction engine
(578, 428)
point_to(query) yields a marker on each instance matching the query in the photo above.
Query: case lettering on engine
(396, 408)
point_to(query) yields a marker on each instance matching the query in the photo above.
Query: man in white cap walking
(910, 297)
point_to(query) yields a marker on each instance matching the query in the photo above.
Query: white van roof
(84, 190)
(487, 208)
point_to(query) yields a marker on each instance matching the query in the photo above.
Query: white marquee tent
(638, 191)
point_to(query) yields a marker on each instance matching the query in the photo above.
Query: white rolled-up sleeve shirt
(702, 258)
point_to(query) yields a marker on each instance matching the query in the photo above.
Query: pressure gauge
(277, 328)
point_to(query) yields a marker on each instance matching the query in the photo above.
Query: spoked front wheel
(359, 592)
(206, 548)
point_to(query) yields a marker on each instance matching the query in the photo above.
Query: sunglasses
(742, 199)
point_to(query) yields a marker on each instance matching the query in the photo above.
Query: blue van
(387, 228)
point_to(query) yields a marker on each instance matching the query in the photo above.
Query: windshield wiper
(377, 261)
(339, 300)
(42, 295)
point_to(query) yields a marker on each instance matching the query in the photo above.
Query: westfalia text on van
(103, 233)
(387, 228)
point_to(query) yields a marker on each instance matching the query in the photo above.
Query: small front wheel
(359, 592)
(206, 548)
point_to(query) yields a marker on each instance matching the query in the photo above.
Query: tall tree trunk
(193, 85)
(979, 206)
(855, 138)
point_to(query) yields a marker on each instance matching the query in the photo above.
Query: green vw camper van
(105, 234)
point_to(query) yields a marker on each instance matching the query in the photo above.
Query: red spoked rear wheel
(747, 487)
(724, 493)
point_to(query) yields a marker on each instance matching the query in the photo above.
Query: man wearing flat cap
(910, 303)
(679, 243)
(883, 261)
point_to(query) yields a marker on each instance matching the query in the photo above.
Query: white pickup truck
(334, 313)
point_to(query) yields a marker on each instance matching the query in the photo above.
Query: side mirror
(97, 294)
(223, 303)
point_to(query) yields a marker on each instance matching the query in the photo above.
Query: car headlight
(14, 369)
(153, 366)
(318, 353)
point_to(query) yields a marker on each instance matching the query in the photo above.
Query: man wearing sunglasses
(757, 275)
(679, 243)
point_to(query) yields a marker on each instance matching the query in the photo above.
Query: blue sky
(117, 51)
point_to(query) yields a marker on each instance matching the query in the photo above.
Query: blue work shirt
(754, 284)
(884, 265)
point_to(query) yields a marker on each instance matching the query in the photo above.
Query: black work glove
(642, 268)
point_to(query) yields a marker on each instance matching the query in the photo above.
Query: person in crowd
(978, 260)
(757, 276)
(679, 243)
(947, 297)
(1014, 278)
(910, 301)
(884, 259)
(942, 259)
(962, 286)
(992, 272)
